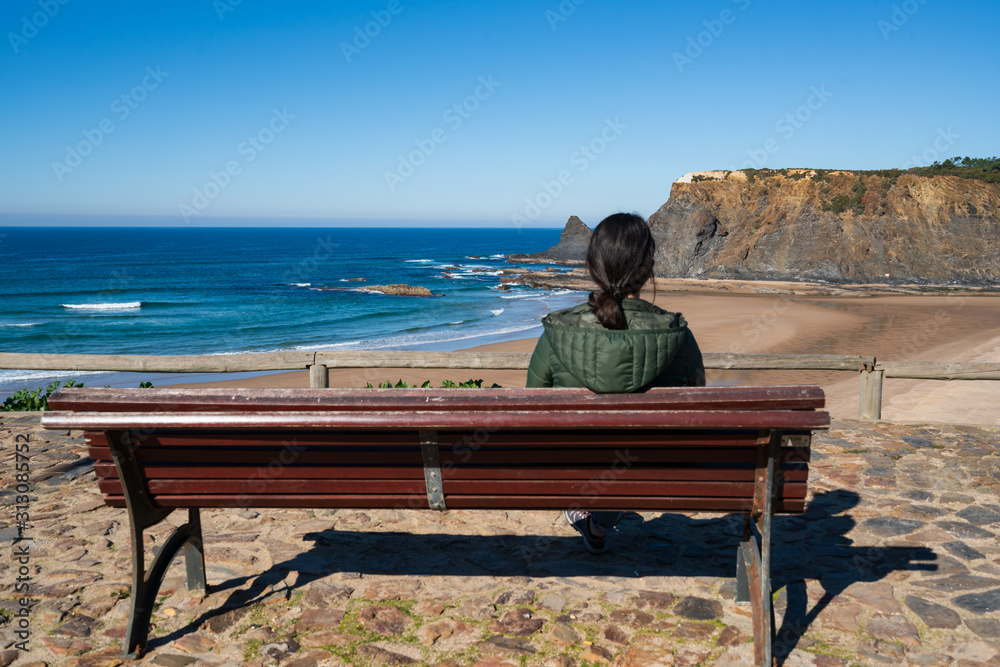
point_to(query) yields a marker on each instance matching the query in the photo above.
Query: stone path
(895, 561)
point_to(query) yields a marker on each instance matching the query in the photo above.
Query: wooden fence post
(319, 377)
(870, 404)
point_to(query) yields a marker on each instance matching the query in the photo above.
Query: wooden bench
(726, 449)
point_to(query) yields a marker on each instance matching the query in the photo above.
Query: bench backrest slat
(401, 420)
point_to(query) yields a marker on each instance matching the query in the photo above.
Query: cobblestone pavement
(895, 561)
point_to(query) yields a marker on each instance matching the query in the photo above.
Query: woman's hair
(620, 261)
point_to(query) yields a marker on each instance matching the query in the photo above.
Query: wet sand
(890, 327)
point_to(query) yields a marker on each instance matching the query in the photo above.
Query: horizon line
(28, 220)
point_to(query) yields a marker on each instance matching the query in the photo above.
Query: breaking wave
(130, 305)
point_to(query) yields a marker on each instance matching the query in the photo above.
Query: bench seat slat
(106, 469)
(707, 504)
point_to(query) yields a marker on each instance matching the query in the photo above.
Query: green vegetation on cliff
(979, 168)
(976, 168)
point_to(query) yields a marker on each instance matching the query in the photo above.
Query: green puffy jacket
(657, 350)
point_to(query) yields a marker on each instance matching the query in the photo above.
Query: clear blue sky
(185, 85)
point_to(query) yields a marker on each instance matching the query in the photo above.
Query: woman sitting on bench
(616, 342)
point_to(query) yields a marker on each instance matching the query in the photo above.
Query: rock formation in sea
(571, 249)
(574, 279)
(840, 226)
(401, 289)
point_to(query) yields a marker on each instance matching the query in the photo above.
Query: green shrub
(852, 202)
(26, 400)
(838, 204)
(978, 168)
(446, 384)
(982, 169)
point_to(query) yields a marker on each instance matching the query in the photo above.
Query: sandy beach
(787, 318)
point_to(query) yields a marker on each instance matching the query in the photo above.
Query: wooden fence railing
(871, 372)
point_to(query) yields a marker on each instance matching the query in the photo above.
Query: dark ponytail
(620, 261)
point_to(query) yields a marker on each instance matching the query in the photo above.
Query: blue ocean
(112, 290)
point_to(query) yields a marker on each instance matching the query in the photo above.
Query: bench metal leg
(146, 584)
(194, 554)
(742, 576)
(753, 585)
(142, 514)
(753, 563)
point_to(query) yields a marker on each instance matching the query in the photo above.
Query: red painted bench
(724, 449)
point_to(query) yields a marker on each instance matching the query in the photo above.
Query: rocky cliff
(571, 249)
(839, 226)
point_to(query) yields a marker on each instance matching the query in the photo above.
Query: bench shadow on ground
(813, 545)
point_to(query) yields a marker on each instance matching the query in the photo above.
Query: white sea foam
(418, 261)
(496, 312)
(471, 270)
(459, 275)
(130, 305)
(300, 284)
(23, 376)
(523, 295)
(20, 324)
(428, 338)
(498, 256)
